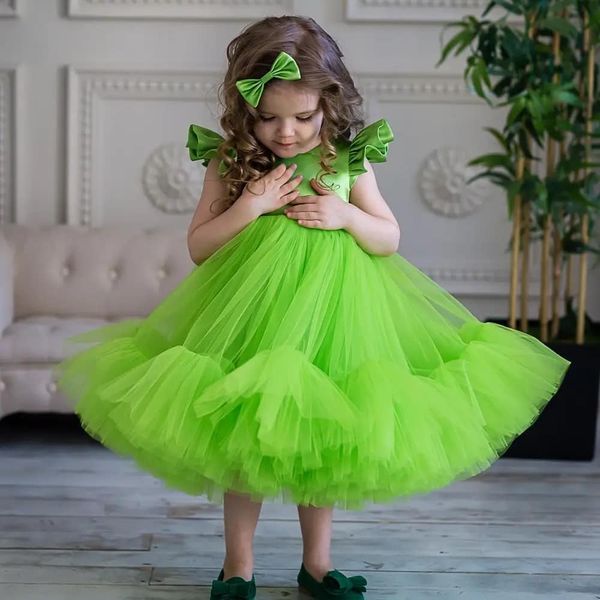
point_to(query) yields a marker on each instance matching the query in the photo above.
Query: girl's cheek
(261, 131)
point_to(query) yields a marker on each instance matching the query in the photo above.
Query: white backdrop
(96, 97)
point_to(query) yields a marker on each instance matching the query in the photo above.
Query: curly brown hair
(319, 59)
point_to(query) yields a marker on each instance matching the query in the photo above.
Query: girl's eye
(299, 118)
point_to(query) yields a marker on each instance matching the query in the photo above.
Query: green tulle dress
(295, 366)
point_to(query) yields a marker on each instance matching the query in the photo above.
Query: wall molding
(489, 281)
(415, 11)
(88, 91)
(170, 9)
(442, 183)
(476, 281)
(90, 88)
(8, 143)
(434, 87)
(9, 8)
(170, 180)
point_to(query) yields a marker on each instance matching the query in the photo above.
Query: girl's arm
(369, 219)
(207, 232)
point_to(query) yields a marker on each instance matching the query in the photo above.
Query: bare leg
(240, 516)
(316, 525)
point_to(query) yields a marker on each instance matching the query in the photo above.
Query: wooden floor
(77, 522)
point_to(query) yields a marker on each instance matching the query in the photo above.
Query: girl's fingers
(290, 196)
(290, 185)
(291, 173)
(284, 173)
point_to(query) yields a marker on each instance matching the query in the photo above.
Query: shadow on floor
(42, 428)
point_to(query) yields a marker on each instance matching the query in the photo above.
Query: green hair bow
(284, 67)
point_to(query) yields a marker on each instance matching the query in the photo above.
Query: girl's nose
(286, 129)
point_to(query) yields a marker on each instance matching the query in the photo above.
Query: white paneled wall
(96, 97)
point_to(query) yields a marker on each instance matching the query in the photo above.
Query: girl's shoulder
(372, 143)
(203, 144)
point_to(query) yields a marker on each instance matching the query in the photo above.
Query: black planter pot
(566, 428)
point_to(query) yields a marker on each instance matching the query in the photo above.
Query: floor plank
(77, 521)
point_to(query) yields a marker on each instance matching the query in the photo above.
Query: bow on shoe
(229, 590)
(337, 584)
(284, 67)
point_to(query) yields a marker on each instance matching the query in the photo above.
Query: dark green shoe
(235, 588)
(335, 585)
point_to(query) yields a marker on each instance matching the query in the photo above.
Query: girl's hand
(273, 190)
(322, 211)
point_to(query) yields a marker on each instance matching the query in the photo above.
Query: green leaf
(558, 5)
(559, 25)
(497, 178)
(529, 128)
(565, 97)
(511, 193)
(499, 137)
(534, 106)
(501, 86)
(492, 160)
(488, 8)
(540, 198)
(511, 7)
(517, 108)
(476, 77)
(456, 41)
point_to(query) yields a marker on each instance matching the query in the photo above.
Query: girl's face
(289, 119)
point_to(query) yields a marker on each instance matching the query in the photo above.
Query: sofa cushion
(41, 339)
(68, 270)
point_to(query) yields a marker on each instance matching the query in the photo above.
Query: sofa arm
(7, 278)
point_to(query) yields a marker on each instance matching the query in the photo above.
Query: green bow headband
(284, 67)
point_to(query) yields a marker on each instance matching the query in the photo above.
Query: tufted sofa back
(108, 272)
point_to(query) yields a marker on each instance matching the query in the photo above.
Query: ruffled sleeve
(370, 143)
(203, 143)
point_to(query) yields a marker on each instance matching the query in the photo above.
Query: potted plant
(537, 62)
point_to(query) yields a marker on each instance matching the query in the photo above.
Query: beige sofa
(60, 280)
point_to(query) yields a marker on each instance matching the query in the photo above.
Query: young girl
(303, 360)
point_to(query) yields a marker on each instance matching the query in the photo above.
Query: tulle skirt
(292, 365)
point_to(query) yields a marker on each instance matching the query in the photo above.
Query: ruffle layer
(371, 143)
(341, 379)
(203, 143)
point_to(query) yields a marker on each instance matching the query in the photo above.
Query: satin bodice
(370, 143)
